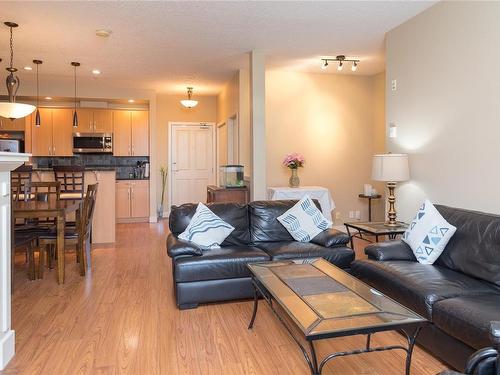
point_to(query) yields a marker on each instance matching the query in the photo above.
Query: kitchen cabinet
(130, 133)
(54, 135)
(132, 201)
(18, 124)
(94, 120)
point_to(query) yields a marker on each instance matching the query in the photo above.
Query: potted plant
(294, 161)
(163, 176)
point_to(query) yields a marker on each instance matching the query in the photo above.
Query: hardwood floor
(122, 318)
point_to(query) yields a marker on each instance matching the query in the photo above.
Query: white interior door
(192, 162)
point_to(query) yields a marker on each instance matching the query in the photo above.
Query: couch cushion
(232, 213)
(418, 286)
(468, 318)
(223, 263)
(264, 224)
(475, 247)
(340, 256)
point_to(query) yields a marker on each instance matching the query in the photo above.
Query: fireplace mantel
(8, 162)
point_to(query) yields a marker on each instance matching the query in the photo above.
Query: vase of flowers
(294, 162)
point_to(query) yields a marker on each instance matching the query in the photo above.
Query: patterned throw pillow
(428, 234)
(304, 221)
(206, 229)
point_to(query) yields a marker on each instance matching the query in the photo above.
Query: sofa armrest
(390, 250)
(331, 238)
(177, 247)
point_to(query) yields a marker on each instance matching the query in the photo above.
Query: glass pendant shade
(38, 120)
(14, 110)
(75, 119)
(189, 103)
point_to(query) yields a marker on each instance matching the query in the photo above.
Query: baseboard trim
(7, 347)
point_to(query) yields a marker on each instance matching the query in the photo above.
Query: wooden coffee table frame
(409, 330)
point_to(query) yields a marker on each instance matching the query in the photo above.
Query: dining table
(50, 208)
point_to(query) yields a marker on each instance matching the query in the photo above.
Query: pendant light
(38, 121)
(11, 109)
(75, 115)
(189, 103)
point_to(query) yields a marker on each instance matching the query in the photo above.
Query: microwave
(11, 145)
(92, 143)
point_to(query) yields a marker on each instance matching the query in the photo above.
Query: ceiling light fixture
(131, 101)
(75, 65)
(28, 68)
(189, 103)
(11, 109)
(341, 59)
(48, 98)
(103, 33)
(38, 120)
(96, 72)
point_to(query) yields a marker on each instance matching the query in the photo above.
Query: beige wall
(333, 120)
(446, 106)
(168, 109)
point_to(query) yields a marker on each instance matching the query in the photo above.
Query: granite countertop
(46, 169)
(126, 178)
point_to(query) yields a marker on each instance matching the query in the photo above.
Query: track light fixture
(341, 59)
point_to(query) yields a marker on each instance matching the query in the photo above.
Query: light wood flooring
(122, 319)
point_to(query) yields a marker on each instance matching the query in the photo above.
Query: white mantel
(8, 162)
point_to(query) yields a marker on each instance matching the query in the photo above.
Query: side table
(370, 197)
(374, 228)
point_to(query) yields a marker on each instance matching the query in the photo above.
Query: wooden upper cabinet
(140, 133)
(18, 124)
(62, 132)
(41, 136)
(85, 120)
(122, 122)
(103, 121)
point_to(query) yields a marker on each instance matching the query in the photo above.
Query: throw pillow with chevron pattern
(206, 229)
(428, 234)
(304, 221)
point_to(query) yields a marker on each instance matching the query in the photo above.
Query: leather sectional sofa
(459, 294)
(221, 274)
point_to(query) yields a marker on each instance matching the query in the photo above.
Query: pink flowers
(294, 160)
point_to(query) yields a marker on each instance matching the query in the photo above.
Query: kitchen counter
(126, 178)
(90, 168)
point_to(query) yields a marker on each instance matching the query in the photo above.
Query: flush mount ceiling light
(103, 33)
(340, 59)
(48, 98)
(11, 109)
(131, 101)
(28, 68)
(189, 103)
(96, 72)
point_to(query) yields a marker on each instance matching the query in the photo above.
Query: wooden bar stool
(72, 179)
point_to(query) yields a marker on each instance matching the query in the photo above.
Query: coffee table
(315, 300)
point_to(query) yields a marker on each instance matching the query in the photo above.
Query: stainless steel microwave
(92, 143)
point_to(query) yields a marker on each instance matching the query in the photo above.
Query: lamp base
(391, 213)
(392, 225)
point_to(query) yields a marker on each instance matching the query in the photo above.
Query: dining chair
(77, 236)
(26, 241)
(22, 174)
(72, 179)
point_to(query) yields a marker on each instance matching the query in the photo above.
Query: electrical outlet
(338, 216)
(358, 215)
(394, 85)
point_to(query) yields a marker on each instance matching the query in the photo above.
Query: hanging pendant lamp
(11, 109)
(38, 120)
(189, 103)
(75, 115)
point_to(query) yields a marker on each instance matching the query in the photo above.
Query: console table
(8, 162)
(320, 193)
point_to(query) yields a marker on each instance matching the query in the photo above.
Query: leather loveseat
(222, 274)
(459, 294)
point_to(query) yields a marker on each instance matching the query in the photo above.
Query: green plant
(163, 174)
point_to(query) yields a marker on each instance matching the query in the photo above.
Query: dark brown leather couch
(222, 274)
(459, 294)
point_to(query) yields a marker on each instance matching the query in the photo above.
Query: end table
(374, 228)
(370, 197)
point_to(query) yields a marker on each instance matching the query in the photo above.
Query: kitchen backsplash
(123, 165)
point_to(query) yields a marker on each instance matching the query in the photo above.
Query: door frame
(171, 125)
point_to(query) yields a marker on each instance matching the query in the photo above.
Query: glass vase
(294, 181)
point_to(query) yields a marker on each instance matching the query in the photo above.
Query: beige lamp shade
(390, 167)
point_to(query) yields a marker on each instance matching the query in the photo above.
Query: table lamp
(391, 168)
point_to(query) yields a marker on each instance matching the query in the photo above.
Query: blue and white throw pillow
(428, 234)
(206, 229)
(304, 221)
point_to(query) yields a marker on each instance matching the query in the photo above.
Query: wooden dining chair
(78, 236)
(72, 179)
(27, 242)
(22, 174)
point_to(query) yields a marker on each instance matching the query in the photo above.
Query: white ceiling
(166, 46)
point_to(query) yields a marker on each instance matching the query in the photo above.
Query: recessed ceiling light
(96, 72)
(131, 100)
(103, 33)
(28, 68)
(48, 98)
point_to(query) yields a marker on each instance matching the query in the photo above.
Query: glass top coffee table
(316, 300)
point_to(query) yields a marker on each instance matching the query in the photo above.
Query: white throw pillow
(428, 234)
(206, 229)
(304, 221)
